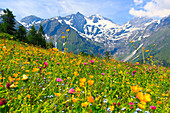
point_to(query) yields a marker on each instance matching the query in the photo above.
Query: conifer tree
(21, 33)
(8, 22)
(32, 36)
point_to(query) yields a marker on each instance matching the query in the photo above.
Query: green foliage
(6, 35)
(8, 22)
(21, 33)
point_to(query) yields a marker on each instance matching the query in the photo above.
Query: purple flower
(71, 91)
(59, 80)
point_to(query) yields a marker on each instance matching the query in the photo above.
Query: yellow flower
(11, 37)
(141, 106)
(57, 94)
(13, 86)
(35, 69)
(82, 80)
(15, 75)
(131, 41)
(67, 30)
(135, 88)
(63, 37)
(112, 108)
(146, 50)
(84, 104)
(55, 49)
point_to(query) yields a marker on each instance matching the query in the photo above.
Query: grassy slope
(42, 93)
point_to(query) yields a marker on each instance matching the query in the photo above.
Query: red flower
(8, 85)
(3, 101)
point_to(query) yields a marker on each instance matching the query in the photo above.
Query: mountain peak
(78, 13)
(30, 19)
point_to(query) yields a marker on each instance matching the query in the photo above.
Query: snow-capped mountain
(30, 20)
(102, 31)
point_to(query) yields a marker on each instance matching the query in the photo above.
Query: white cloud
(138, 1)
(154, 8)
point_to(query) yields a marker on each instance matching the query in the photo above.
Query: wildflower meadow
(37, 80)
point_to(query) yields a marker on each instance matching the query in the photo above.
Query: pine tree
(21, 33)
(41, 37)
(8, 22)
(32, 36)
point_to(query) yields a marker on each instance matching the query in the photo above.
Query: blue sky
(119, 11)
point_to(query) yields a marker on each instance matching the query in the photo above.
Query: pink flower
(71, 91)
(85, 63)
(102, 73)
(114, 103)
(131, 107)
(118, 103)
(92, 61)
(58, 63)
(59, 80)
(131, 103)
(46, 64)
(153, 107)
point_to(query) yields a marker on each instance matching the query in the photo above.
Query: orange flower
(57, 94)
(82, 80)
(159, 102)
(90, 82)
(90, 99)
(140, 96)
(135, 88)
(74, 99)
(146, 50)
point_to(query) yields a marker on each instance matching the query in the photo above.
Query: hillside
(33, 79)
